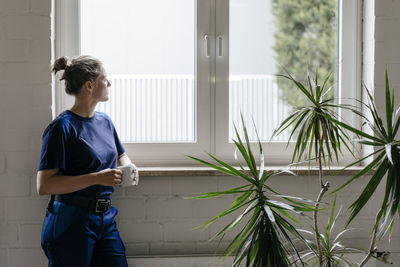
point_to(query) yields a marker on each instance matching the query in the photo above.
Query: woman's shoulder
(61, 123)
(103, 115)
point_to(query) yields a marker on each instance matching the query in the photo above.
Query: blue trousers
(74, 236)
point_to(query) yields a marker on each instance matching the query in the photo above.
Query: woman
(80, 153)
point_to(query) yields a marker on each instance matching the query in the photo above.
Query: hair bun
(60, 64)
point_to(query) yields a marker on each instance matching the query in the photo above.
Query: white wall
(153, 219)
(25, 101)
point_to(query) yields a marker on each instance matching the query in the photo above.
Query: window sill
(206, 171)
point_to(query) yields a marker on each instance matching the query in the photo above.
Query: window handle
(207, 48)
(219, 38)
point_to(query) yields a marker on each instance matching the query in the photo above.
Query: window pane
(266, 35)
(148, 49)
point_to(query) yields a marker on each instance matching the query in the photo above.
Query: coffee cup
(128, 176)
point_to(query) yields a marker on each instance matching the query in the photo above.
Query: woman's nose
(108, 83)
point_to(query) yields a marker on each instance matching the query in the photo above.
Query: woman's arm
(123, 160)
(49, 183)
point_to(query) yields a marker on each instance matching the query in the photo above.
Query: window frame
(145, 154)
(349, 61)
(212, 83)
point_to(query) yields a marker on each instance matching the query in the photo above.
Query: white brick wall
(154, 218)
(169, 218)
(25, 110)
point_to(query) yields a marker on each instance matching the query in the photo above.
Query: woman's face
(101, 85)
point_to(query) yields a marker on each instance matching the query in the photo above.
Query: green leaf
(354, 130)
(244, 213)
(389, 106)
(389, 185)
(397, 124)
(242, 198)
(269, 213)
(318, 93)
(230, 170)
(298, 198)
(233, 170)
(280, 128)
(330, 225)
(245, 155)
(241, 239)
(299, 120)
(258, 137)
(388, 149)
(364, 171)
(301, 87)
(368, 191)
(282, 223)
(231, 191)
(369, 143)
(224, 213)
(244, 234)
(377, 120)
(253, 166)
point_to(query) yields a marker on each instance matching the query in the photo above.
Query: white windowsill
(206, 171)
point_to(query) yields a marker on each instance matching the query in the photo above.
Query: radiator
(162, 108)
(180, 261)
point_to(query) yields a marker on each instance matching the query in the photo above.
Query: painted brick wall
(161, 222)
(25, 108)
(154, 218)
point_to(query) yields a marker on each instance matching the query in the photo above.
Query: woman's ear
(88, 86)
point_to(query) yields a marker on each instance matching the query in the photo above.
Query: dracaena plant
(385, 161)
(317, 132)
(334, 252)
(264, 214)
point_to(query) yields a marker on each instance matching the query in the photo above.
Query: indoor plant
(385, 162)
(334, 252)
(319, 136)
(260, 241)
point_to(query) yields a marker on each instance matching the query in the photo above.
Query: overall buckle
(102, 205)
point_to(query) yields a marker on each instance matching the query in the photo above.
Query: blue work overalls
(73, 236)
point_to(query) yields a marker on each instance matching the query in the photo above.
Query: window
(181, 71)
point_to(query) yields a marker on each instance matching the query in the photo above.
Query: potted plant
(265, 212)
(385, 156)
(334, 251)
(385, 162)
(318, 134)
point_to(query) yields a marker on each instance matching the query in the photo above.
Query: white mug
(128, 177)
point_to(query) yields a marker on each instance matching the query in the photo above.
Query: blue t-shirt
(77, 145)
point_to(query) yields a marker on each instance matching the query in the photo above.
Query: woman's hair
(79, 71)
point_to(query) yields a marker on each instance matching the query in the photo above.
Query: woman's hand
(124, 160)
(109, 177)
(136, 177)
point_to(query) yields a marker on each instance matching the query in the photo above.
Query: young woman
(78, 168)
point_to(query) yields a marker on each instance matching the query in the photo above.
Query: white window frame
(349, 76)
(212, 83)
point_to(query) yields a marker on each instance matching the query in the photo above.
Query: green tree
(305, 38)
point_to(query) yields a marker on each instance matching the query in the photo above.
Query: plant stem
(372, 247)
(324, 188)
(321, 174)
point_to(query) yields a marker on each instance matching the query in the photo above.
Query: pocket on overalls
(47, 229)
(64, 216)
